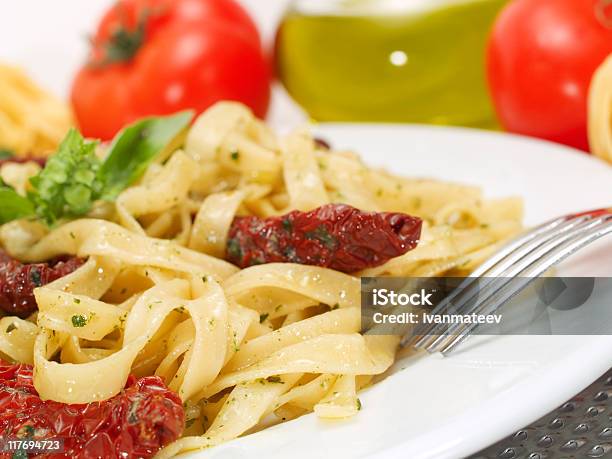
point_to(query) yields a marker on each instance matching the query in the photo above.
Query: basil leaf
(13, 206)
(135, 147)
(68, 185)
(74, 178)
(6, 154)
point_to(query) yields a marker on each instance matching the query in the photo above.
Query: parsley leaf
(68, 185)
(13, 206)
(79, 320)
(74, 177)
(135, 147)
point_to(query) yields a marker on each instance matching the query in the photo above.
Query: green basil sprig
(74, 177)
(135, 147)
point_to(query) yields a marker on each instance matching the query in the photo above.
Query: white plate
(434, 407)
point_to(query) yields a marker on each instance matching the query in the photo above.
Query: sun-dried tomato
(18, 281)
(334, 236)
(136, 423)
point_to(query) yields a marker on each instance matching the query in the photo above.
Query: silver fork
(524, 259)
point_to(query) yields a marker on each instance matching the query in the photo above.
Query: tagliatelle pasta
(32, 121)
(156, 297)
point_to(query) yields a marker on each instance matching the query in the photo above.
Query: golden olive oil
(424, 65)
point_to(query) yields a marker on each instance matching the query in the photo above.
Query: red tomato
(541, 57)
(153, 57)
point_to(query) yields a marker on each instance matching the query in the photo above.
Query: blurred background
(39, 34)
(533, 67)
(50, 41)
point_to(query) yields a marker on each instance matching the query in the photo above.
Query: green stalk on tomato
(156, 57)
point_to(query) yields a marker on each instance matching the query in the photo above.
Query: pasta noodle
(238, 346)
(32, 121)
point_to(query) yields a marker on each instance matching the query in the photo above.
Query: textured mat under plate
(580, 428)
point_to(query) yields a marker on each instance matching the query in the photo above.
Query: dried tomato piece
(334, 236)
(136, 423)
(18, 281)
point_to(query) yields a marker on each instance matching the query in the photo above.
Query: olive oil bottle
(419, 61)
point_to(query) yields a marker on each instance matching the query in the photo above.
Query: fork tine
(481, 270)
(516, 249)
(531, 272)
(571, 225)
(512, 271)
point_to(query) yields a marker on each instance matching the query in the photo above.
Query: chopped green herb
(77, 301)
(11, 327)
(235, 155)
(358, 405)
(263, 317)
(204, 279)
(189, 423)
(69, 183)
(20, 454)
(287, 226)
(322, 234)
(233, 249)
(275, 379)
(235, 342)
(35, 276)
(335, 306)
(277, 308)
(27, 431)
(79, 320)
